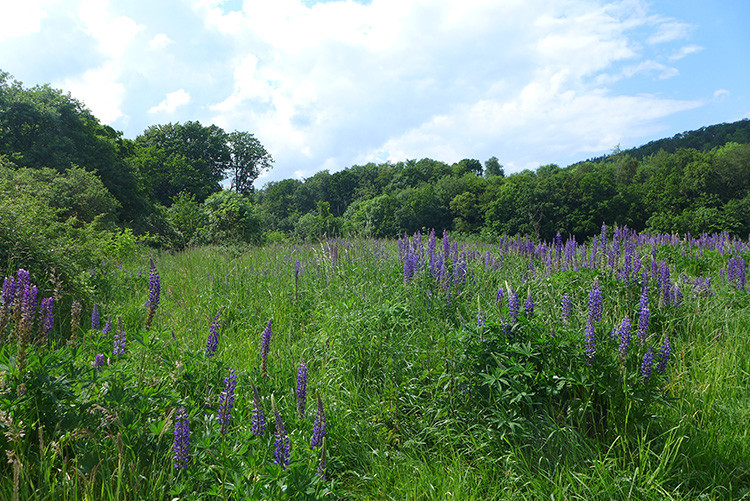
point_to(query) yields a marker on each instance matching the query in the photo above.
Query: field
(419, 369)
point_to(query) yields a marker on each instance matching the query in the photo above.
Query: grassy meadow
(614, 369)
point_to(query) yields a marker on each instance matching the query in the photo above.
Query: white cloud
(160, 41)
(99, 90)
(173, 101)
(684, 51)
(21, 18)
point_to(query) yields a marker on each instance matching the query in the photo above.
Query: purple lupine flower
(499, 297)
(301, 388)
(589, 336)
(265, 346)
(153, 294)
(481, 319)
(99, 361)
(647, 364)
(226, 401)
(595, 303)
(212, 343)
(107, 326)
(259, 417)
(6, 298)
(528, 307)
(643, 316)
(567, 308)
(181, 444)
(319, 427)
(120, 342)
(283, 444)
(48, 319)
(664, 354)
(624, 333)
(20, 284)
(95, 317)
(514, 306)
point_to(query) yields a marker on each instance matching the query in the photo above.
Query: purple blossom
(95, 317)
(319, 427)
(107, 325)
(528, 306)
(181, 444)
(624, 333)
(154, 293)
(212, 343)
(99, 361)
(259, 417)
(226, 401)
(265, 346)
(283, 450)
(499, 297)
(643, 316)
(120, 342)
(514, 307)
(589, 336)
(647, 364)
(664, 354)
(301, 388)
(595, 303)
(567, 308)
(48, 319)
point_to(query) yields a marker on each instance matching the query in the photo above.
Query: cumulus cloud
(173, 101)
(326, 85)
(21, 18)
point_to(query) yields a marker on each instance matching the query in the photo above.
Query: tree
(247, 160)
(185, 157)
(492, 167)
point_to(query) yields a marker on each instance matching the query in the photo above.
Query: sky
(328, 85)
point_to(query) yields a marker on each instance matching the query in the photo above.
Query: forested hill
(702, 139)
(170, 182)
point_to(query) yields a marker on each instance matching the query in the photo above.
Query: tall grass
(430, 391)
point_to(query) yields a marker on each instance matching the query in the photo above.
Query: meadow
(423, 368)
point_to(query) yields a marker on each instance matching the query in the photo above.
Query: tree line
(189, 183)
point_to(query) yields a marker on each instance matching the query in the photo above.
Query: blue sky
(326, 85)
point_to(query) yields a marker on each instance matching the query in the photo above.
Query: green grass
(421, 403)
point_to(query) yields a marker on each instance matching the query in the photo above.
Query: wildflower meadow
(424, 368)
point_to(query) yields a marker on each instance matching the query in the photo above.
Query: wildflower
(226, 401)
(265, 345)
(319, 427)
(513, 307)
(259, 417)
(283, 444)
(181, 445)
(647, 364)
(664, 354)
(120, 342)
(99, 361)
(595, 302)
(624, 334)
(322, 465)
(48, 319)
(301, 388)
(644, 315)
(154, 293)
(528, 306)
(590, 341)
(95, 317)
(567, 308)
(213, 336)
(499, 297)
(107, 326)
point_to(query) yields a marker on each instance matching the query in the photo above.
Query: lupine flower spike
(590, 341)
(95, 318)
(213, 336)
(319, 427)
(664, 354)
(283, 444)
(181, 445)
(120, 340)
(259, 417)
(226, 401)
(647, 364)
(301, 388)
(567, 308)
(154, 293)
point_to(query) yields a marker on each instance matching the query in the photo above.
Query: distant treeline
(685, 191)
(60, 167)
